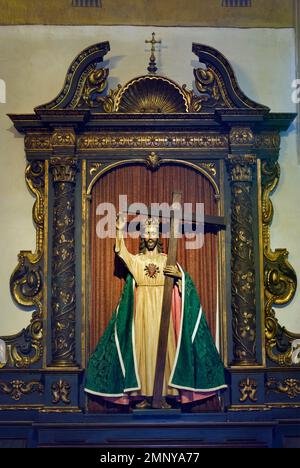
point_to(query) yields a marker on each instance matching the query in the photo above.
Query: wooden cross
(165, 314)
(152, 68)
(218, 222)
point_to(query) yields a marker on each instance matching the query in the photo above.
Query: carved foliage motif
(209, 167)
(152, 94)
(242, 136)
(248, 389)
(242, 264)
(61, 392)
(26, 282)
(212, 91)
(208, 82)
(241, 172)
(63, 137)
(92, 88)
(280, 278)
(152, 161)
(290, 387)
(37, 141)
(17, 388)
(95, 167)
(109, 102)
(64, 170)
(63, 262)
(172, 140)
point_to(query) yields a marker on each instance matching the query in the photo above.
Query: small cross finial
(152, 68)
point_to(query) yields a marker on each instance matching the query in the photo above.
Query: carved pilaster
(242, 260)
(63, 301)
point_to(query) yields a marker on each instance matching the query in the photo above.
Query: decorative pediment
(84, 77)
(86, 88)
(217, 80)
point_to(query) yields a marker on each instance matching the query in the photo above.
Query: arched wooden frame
(127, 162)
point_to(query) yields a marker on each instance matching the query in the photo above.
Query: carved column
(241, 168)
(64, 166)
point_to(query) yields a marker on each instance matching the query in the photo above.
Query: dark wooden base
(151, 429)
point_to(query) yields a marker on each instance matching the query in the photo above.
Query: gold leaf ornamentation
(248, 389)
(153, 161)
(92, 141)
(279, 277)
(95, 84)
(17, 388)
(242, 263)
(290, 387)
(26, 282)
(151, 94)
(61, 392)
(95, 167)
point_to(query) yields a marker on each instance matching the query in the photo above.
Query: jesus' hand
(120, 222)
(173, 271)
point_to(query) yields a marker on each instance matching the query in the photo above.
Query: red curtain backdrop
(141, 185)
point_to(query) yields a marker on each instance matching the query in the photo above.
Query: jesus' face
(151, 237)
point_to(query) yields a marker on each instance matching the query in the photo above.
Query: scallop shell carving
(151, 94)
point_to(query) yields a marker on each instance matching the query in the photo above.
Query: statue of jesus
(123, 365)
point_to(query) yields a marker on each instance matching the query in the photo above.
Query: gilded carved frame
(84, 131)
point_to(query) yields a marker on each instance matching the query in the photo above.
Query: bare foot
(144, 404)
(165, 405)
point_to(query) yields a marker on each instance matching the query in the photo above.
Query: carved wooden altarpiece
(151, 121)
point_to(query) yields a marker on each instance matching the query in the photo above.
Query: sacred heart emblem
(151, 270)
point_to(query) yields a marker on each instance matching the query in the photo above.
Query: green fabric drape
(198, 367)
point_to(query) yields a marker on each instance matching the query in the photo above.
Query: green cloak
(112, 369)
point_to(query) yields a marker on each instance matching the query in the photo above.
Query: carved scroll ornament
(17, 388)
(26, 282)
(290, 387)
(279, 276)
